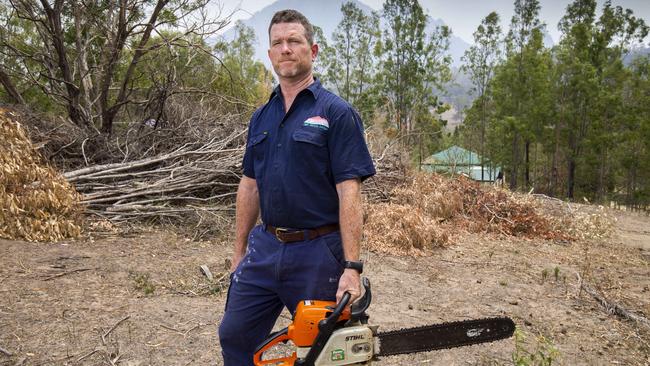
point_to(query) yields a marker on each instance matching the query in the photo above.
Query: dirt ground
(139, 298)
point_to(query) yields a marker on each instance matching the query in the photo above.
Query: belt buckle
(278, 231)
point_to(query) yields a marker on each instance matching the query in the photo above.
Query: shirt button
(279, 145)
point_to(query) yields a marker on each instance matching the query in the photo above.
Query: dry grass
(402, 230)
(36, 202)
(429, 208)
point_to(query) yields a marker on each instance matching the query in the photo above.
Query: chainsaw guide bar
(444, 335)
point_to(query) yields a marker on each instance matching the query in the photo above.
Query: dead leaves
(426, 211)
(36, 202)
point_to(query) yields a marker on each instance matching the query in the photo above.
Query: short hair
(293, 16)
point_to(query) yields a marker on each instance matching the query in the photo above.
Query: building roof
(454, 155)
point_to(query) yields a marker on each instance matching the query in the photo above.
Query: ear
(314, 51)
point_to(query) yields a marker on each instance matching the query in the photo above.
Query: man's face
(291, 54)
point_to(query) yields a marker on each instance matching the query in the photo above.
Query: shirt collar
(314, 88)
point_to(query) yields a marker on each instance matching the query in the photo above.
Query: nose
(285, 49)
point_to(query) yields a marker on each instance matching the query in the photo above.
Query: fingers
(351, 283)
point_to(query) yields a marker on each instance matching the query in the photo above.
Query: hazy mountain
(326, 15)
(634, 53)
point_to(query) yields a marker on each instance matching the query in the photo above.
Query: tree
(590, 59)
(245, 81)
(84, 55)
(524, 27)
(412, 64)
(480, 60)
(350, 62)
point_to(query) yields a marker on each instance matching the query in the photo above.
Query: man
(304, 162)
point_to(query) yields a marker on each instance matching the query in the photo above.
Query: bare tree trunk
(109, 115)
(110, 61)
(82, 62)
(527, 164)
(55, 29)
(10, 88)
(515, 162)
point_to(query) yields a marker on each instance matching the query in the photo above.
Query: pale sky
(465, 15)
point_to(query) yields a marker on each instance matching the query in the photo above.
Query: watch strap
(358, 266)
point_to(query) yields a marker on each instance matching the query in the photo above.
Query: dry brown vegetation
(36, 202)
(428, 209)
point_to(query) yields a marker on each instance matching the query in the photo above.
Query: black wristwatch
(358, 266)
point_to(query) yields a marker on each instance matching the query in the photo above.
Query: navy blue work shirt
(298, 157)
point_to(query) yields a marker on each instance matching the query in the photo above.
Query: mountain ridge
(326, 15)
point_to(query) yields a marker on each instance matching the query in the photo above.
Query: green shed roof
(454, 155)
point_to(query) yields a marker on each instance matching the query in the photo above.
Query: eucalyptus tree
(84, 55)
(480, 61)
(591, 79)
(349, 63)
(412, 64)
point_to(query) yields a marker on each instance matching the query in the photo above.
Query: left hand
(350, 281)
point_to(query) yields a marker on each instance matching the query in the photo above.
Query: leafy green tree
(633, 153)
(480, 61)
(350, 62)
(412, 64)
(240, 77)
(590, 59)
(84, 56)
(522, 43)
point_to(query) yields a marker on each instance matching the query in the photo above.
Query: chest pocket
(315, 137)
(258, 146)
(310, 145)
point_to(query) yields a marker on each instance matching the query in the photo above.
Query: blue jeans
(273, 275)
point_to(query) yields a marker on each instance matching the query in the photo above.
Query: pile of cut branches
(167, 185)
(36, 202)
(425, 211)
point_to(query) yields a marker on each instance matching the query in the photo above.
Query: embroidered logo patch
(318, 122)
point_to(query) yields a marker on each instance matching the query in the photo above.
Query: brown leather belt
(286, 235)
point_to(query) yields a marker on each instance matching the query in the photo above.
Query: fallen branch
(610, 307)
(2, 350)
(87, 355)
(497, 216)
(113, 328)
(66, 273)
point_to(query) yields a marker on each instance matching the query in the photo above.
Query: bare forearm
(350, 217)
(247, 211)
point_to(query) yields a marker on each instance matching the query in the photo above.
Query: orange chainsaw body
(304, 328)
(302, 331)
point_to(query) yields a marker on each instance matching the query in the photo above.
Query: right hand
(236, 258)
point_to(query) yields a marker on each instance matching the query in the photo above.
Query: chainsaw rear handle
(358, 309)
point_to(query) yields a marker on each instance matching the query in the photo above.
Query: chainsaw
(326, 334)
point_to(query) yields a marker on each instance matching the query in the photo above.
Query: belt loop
(305, 234)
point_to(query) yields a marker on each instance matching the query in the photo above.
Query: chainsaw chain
(444, 335)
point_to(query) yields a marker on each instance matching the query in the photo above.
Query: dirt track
(140, 299)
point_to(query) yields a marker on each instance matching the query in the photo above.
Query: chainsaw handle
(278, 337)
(358, 309)
(345, 299)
